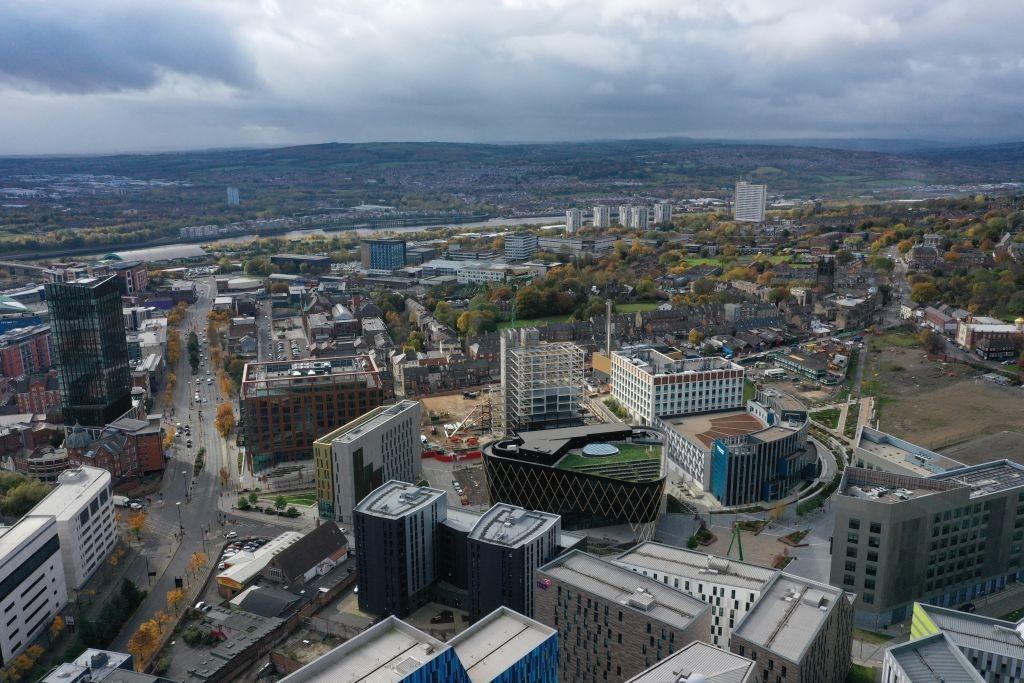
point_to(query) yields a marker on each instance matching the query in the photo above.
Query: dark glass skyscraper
(91, 350)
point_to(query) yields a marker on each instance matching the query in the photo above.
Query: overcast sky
(114, 75)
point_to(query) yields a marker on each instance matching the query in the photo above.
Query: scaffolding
(543, 385)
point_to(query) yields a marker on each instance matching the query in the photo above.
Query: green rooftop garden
(633, 462)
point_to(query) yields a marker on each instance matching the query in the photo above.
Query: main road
(191, 512)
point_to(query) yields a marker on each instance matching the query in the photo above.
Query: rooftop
(975, 632)
(25, 530)
(920, 461)
(386, 653)
(618, 459)
(75, 488)
(551, 441)
(991, 477)
(356, 428)
(888, 487)
(667, 360)
(512, 526)
(704, 429)
(717, 666)
(492, 645)
(337, 367)
(668, 559)
(620, 585)
(934, 659)
(396, 498)
(788, 616)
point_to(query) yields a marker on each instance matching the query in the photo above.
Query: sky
(135, 75)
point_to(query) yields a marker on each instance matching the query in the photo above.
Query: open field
(534, 322)
(1009, 445)
(636, 307)
(937, 404)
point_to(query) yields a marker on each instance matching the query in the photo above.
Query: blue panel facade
(719, 470)
(539, 666)
(443, 668)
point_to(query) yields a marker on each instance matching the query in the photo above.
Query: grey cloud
(88, 47)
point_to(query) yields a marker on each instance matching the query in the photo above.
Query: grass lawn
(861, 674)
(305, 499)
(637, 307)
(534, 322)
(828, 417)
(871, 636)
(628, 452)
(749, 390)
(895, 338)
(850, 429)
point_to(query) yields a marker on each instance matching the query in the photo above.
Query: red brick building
(127, 447)
(38, 393)
(25, 351)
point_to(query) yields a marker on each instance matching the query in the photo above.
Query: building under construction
(542, 383)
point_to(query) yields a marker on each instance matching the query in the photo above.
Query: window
(876, 527)
(855, 524)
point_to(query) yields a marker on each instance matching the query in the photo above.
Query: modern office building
(25, 351)
(596, 475)
(958, 646)
(573, 220)
(312, 262)
(744, 456)
(799, 631)
(508, 542)
(233, 198)
(662, 213)
(520, 246)
(32, 586)
(353, 460)
(542, 382)
(285, 405)
(90, 350)
(383, 255)
(83, 508)
(613, 623)
(602, 217)
(503, 647)
(748, 203)
(652, 381)
(577, 246)
(639, 217)
(942, 540)
(396, 537)
(729, 586)
(699, 663)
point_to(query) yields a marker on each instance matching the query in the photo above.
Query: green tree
(924, 292)
(280, 502)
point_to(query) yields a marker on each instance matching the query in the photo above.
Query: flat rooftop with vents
(888, 487)
(624, 587)
(903, 455)
(364, 423)
(666, 559)
(704, 429)
(788, 616)
(350, 368)
(385, 653)
(497, 642)
(991, 477)
(512, 526)
(699, 662)
(395, 499)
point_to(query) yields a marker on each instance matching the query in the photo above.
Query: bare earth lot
(939, 405)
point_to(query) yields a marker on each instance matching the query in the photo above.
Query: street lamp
(181, 527)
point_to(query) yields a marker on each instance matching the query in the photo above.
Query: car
(231, 534)
(200, 605)
(135, 506)
(968, 607)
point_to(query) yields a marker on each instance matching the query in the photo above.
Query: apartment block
(384, 255)
(32, 585)
(639, 217)
(613, 623)
(943, 539)
(542, 382)
(508, 542)
(652, 381)
(503, 647)
(730, 587)
(662, 213)
(800, 631)
(932, 659)
(84, 511)
(573, 221)
(353, 460)
(285, 405)
(25, 351)
(749, 202)
(396, 537)
(602, 217)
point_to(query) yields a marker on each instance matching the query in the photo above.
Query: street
(192, 513)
